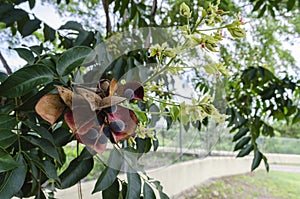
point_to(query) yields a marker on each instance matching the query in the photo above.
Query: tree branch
(106, 10)
(153, 10)
(6, 66)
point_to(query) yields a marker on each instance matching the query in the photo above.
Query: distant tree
(106, 82)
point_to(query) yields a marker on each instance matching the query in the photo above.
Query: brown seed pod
(50, 107)
(65, 94)
(92, 98)
(110, 101)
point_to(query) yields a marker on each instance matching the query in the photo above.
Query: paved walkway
(285, 168)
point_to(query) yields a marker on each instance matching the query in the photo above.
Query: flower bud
(237, 32)
(169, 52)
(211, 47)
(185, 10)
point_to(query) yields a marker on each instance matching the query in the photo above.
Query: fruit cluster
(94, 114)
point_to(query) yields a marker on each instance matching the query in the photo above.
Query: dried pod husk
(129, 120)
(103, 88)
(65, 94)
(110, 101)
(92, 98)
(50, 107)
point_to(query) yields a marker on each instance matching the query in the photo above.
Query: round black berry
(117, 126)
(100, 118)
(129, 93)
(102, 139)
(92, 134)
(107, 132)
(111, 109)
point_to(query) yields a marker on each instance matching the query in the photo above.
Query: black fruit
(92, 134)
(100, 118)
(111, 109)
(107, 132)
(102, 139)
(117, 126)
(129, 93)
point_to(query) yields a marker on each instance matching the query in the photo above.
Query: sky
(46, 12)
(43, 12)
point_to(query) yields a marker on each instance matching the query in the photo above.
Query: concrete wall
(179, 177)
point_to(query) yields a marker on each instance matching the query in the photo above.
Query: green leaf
(154, 117)
(148, 192)
(290, 4)
(47, 167)
(5, 7)
(37, 49)
(112, 192)
(143, 145)
(268, 93)
(25, 79)
(256, 160)
(72, 59)
(266, 163)
(242, 143)
(44, 145)
(105, 180)
(162, 195)
(84, 38)
(49, 33)
(7, 123)
(296, 118)
(43, 132)
(72, 25)
(28, 103)
(242, 132)
(246, 150)
(30, 26)
(271, 11)
(134, 185)
(169, 121)
(3, 76)
(268, 130)
(186, 126)
(6, 161)
(118, 68)
(117, 5)
(77, 169)
(62, 137)
(262, 11)
(7, 138)
(155, 144)
(25, 54)
(14, 179)
(50, 171)
(110, 173)
(258, 5)
(12, 15)
(31, 3)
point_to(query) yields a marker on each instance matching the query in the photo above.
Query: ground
(259, 185)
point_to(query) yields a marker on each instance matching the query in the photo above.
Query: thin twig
(6, 66)
(153, 10)
(153, 13)
(106, 10)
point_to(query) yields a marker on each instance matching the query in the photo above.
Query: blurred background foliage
(261, 97)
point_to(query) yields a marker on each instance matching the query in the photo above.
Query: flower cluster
(95, 115)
